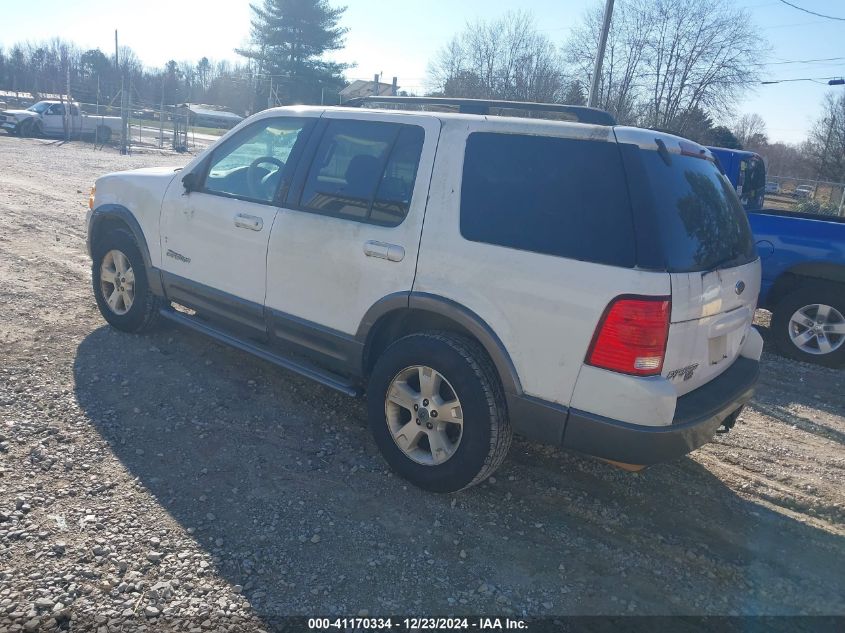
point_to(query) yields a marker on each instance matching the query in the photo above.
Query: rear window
(556, 196)
(696, 213)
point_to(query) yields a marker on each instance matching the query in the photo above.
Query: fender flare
(454, 311)
(121, 213)
(819, 270)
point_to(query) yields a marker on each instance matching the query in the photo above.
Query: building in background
(209, 116)
(361, 88)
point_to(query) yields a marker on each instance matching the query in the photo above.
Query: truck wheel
(103, 134)
(27, 128)
(120, 284)
(437, 411)
(809, 324)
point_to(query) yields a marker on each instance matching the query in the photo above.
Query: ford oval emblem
(740, 287)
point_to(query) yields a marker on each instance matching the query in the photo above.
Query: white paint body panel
(317, 268)
(141, 191)
(201, 227)
(648, 401)
(710, 322)
(543, 308)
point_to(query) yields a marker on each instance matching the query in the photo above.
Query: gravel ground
(166, 481)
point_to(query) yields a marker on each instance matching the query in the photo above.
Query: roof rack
(582, 114)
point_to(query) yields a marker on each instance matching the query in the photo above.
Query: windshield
(39, 107)
(700, 221)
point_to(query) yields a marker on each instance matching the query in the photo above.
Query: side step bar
(323, 377)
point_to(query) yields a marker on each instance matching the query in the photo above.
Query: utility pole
(375, 84)
(124, 124)
(395, 86)
(67, 105)
(161, 116)
(594, 85)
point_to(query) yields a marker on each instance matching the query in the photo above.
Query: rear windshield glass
(557, 196)
(699, 218)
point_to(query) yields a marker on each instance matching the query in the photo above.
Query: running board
(323, 377)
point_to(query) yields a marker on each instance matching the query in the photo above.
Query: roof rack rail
(582, 114)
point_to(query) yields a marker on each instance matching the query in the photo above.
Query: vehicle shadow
(279, 482)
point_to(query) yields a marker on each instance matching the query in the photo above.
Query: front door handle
(251, 222)
(383, 250)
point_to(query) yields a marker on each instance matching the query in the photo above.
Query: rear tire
(809, 321)
(421, 438)
(103, 134)
(121, 286)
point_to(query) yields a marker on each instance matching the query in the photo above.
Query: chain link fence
(805, 195)
(173, 128)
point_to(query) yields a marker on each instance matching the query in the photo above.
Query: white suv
(580, 283)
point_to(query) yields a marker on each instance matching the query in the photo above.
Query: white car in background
(47, 118)
(804, 192)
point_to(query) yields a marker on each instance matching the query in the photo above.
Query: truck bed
(801, 216)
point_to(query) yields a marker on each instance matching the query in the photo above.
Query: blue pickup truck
(803, 285)
(747, 173)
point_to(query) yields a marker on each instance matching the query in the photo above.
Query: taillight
(631, 336)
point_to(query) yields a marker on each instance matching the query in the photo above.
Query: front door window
(253, 164)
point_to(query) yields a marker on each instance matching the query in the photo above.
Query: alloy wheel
(817, 329)
(424, 415)
(117, 282)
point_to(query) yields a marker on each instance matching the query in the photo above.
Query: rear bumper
(697, 416)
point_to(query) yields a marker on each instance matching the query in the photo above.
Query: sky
(399, 38)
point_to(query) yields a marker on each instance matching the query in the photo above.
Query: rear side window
(697, 214)
(556, 196)
(364, 171)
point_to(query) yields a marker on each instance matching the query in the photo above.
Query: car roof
(642, 137)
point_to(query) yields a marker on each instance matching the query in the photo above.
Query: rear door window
(556, 196)
(365, 171)
(697, 214)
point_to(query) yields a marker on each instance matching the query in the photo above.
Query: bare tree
(506, 58)
(666, 58)
(750, 130)
(825, 148)
(783, 159)
(626, 42)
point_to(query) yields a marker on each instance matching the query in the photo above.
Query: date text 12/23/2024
(416, 624)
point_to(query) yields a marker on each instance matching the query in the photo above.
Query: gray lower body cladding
(697, 416)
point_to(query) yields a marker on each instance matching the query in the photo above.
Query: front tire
(27, 129)
(120, 283)
(437, 411)
(809, 324)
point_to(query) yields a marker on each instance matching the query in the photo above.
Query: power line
(813, 79)
(821, 15)
(803, 61)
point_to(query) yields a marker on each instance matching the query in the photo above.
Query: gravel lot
(166, 480)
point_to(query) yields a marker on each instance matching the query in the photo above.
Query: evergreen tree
(289, 38)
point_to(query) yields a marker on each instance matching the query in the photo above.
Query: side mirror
(190, 181)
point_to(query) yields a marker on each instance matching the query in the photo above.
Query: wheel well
(399, 323)
(105, 226)
(791, 281)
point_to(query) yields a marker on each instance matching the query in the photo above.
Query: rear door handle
(251, 222)
(383, 250)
